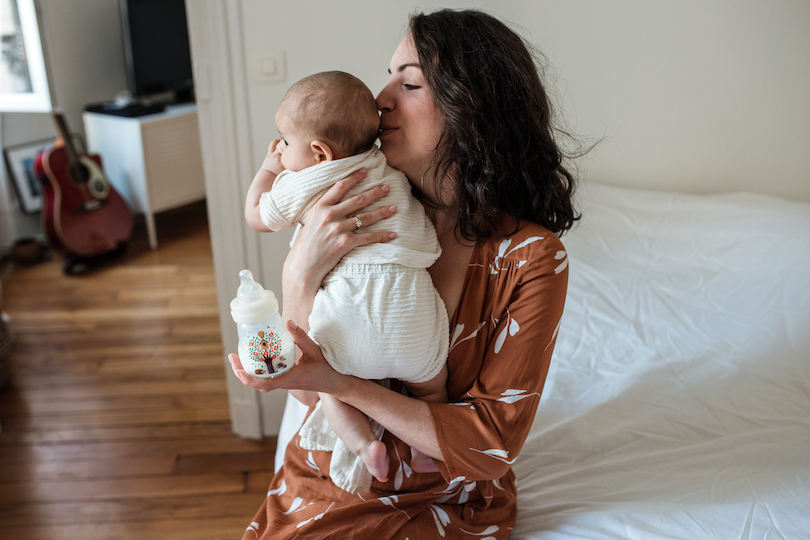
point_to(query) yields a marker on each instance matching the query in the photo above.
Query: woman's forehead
(404, 56)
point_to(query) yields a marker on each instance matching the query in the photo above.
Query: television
(157, 51)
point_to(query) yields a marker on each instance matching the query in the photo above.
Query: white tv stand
(153, 161)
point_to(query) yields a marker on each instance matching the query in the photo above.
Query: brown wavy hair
(498, 141)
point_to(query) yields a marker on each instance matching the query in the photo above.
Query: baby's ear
(322, 151)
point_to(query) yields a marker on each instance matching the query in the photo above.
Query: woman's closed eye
(409, 86)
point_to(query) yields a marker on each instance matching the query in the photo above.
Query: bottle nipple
(253, 302)
(248, 289)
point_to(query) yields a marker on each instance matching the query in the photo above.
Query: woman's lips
(385, 130)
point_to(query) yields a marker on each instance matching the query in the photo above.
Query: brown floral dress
(501, 341)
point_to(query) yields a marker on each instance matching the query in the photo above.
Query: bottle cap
(253, 302)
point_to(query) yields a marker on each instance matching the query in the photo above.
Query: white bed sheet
(678, 401)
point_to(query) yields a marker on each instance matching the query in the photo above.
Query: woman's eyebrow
(404, 66)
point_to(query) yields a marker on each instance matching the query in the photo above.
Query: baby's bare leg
(355, 431)
(434, 391)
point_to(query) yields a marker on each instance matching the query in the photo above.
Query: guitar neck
(70, 150)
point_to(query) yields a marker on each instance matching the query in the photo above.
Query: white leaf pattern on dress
(497, 453)
(389, 501)
(316, 518)
(529, 240)
(465, 495)
(512, 327)
(462, 404)
(311, 462)
(513, 395)
(281, 490)
(492, 529)
(254, 527)
(296, 505)
(561, 255)
(452, 489)
(554, 334)
(459, 329)
(440, 517)
(495, 266)
(404, 471)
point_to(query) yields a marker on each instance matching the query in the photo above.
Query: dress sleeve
(481, 435)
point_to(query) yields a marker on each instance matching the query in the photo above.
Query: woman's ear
(321, 150)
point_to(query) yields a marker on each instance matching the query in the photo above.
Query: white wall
(697, 96)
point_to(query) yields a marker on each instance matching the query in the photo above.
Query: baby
(377, 315)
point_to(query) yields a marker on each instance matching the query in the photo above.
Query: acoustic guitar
(82, 214)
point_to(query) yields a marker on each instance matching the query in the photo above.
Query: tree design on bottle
(266, 349)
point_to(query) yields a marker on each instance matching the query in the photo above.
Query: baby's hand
(272, 162)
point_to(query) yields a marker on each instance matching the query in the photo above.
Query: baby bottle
(265, 348)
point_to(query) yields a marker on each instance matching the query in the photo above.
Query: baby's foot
(422, 463)
(375, 458)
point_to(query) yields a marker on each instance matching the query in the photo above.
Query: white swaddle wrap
(377, 315)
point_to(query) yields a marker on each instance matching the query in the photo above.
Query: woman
(466, 118)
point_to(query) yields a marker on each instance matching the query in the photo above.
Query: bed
(678, 401)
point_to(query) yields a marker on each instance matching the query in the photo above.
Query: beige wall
(697, 96)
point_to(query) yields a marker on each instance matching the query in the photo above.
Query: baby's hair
(336, 107)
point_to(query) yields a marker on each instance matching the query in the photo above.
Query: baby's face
(295, 148)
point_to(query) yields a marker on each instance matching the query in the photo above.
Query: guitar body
(81, 216)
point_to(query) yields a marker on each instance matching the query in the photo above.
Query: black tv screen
(157, 48)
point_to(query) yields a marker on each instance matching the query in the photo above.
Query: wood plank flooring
(115, 423)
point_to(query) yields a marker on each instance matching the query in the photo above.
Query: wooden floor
(115, 422)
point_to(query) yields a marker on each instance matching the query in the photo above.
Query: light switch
(267, 66)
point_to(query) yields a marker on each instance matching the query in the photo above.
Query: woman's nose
(384, 101)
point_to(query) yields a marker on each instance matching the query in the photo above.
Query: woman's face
(411, 123)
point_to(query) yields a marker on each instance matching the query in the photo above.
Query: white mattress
(678, 401)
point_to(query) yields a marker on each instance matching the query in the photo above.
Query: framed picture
(20, 163)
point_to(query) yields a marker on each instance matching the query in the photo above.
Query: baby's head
(326, 116)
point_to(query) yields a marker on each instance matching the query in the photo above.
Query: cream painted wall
(696, 96)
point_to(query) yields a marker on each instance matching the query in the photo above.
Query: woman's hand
(330, 233)
(311, 372)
